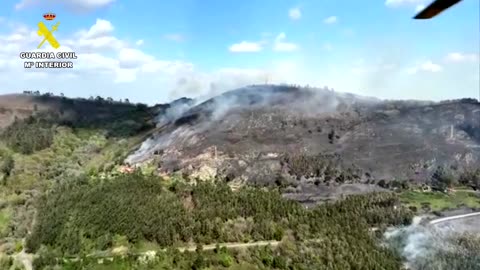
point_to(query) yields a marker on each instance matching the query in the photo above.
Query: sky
(156, 51)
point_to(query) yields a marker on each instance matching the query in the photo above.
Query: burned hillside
(286, 135)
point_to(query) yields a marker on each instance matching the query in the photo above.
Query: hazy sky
(154, 51)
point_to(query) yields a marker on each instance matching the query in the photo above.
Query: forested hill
(99, 113)
(48, 140)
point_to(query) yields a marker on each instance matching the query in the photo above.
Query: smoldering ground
(186, 120)
(261, 107)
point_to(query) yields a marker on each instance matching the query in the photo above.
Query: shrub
(226, 260)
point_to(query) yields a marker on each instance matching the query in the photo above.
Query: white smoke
(296, 100)
(414, 242)
(420, 244)
(306, 101)
(145, 148)
(172, 113)
(182, 136)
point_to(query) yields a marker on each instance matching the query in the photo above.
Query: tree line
(29, 135)
(83, 217)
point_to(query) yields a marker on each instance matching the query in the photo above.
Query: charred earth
(316, 143)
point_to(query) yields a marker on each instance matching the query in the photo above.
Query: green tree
(279, 262)
(199, 262)
(7, 165)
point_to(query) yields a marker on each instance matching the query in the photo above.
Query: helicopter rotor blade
(435, 8)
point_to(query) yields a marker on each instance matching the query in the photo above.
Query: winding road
(466, 223)
(445, 219)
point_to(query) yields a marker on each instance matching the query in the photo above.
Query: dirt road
(445, 219)
(466, 223)
(232, 245)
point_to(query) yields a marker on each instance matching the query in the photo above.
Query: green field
(440, 201)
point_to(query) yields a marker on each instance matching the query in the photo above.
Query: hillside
(48, 140)
(308, 138)
(115, 116)
(66, 192)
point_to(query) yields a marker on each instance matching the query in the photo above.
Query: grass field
(440, 201)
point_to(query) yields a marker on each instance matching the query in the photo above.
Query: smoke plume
(426, 247)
